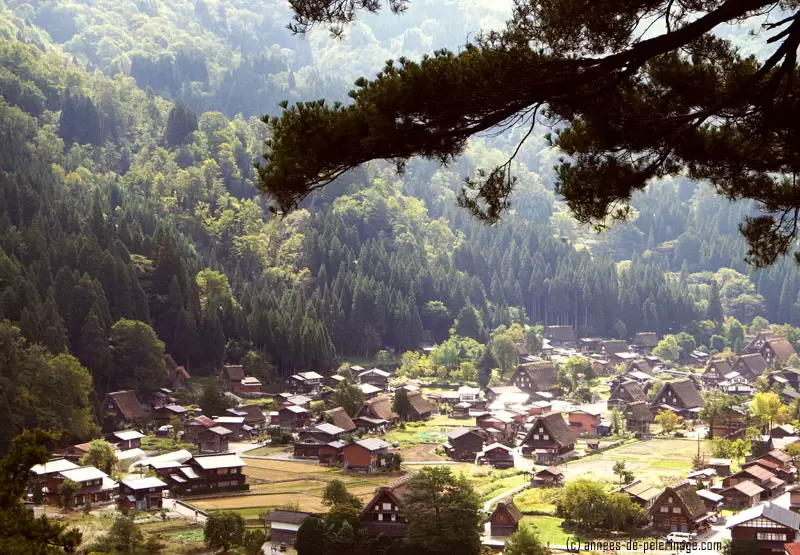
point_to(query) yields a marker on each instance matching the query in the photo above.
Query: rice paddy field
(286, 483)
(651, 461)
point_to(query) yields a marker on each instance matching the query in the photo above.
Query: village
(645, 431)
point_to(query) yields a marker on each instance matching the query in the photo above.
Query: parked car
(680, 537)
(164, 430)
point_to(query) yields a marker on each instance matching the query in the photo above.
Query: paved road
(184, 511)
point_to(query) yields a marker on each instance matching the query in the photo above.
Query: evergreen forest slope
(130, 227)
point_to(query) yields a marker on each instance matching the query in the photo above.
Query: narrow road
(184, 511)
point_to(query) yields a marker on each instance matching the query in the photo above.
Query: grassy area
(650, 460)
(269, 450)
(429, 431)
(160, 445)
(537, 500)
(497, 483)
(549, 529)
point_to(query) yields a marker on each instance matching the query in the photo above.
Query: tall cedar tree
(629, 109)
(181, 123)
(400, 404)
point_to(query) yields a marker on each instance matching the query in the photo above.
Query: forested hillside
(130, 226)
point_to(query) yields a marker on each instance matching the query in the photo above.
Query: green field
(549, 529)
(650, 460)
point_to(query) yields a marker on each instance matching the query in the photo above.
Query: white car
(680, 537)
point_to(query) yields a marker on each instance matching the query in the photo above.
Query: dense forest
(130, 226)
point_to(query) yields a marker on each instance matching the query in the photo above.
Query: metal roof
(56, 465)
(228, 460)
(144, 483)
(127, 435)
(84, 474)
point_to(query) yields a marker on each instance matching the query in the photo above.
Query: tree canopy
(629, 108)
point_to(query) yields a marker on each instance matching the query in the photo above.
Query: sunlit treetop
(627, 108)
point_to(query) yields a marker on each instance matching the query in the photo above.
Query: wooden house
(638, 417)
(505, 518)
(550, 476)
(741, 495)
(375, 377)
(721, 466)
(624, 393)
(122, 409)
(645, 341)
(213, 439)
(497, 455)
(379, 408)
(794, 500)
(324, 433)
(767, 525)
(307, 383)
(496, 392)
(778, 457)
(339, 417)
(601, 367)
(248, 386)
(126, 439)
(681, 397)
(781, 431)
(464, 444)
(549, 439)
(253, 416)
(590, 344)
(293, 417)
(750, 366)
(239, 430)
(712, 500)
(94, 486)
(584, 421)
(769, 482)
(612, 346)
(284, 524)
(680, 509)
(214, 473)
(420, 407)
(715, 371)
(757, 341)
(307, 448)
(370, 391)
(143, 494)
(383, 515)
(640, 365)
(331, 453)
(232, 376)
(641, 494)
(163, 415)
(623, 357)
(730, 422)
(535, 376)
(561, 336)
(776, 349)
(783, 473)
(365, 455)
(178, 376)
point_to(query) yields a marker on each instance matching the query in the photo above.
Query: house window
(545, 437)
(669, 499)
(394, 517)
(535, 436)
(676, 510)
(380, 517)
(770, 536)
(387, 506)
(664, 509)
